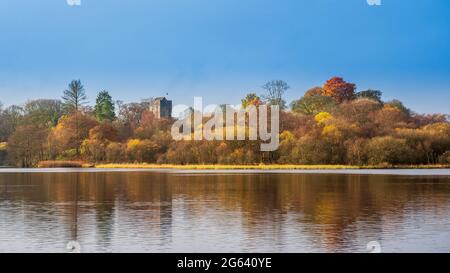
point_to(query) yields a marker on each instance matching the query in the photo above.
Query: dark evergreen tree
(104, 107)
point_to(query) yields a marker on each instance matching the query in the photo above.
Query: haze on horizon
(223, 49)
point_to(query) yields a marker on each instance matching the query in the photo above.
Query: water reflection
(173, 212)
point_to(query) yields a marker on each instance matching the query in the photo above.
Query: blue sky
(223, 49)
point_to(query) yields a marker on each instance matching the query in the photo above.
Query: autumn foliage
(332, 124)
(339, 89)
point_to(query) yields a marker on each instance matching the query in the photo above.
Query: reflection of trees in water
(328, 207)
(165, 210)
(74, 213)
(103, 195)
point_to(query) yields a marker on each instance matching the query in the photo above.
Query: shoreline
(441, 172)
(218, 167)
(264, 167)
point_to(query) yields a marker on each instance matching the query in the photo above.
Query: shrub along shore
(80, 164)
(263, 167)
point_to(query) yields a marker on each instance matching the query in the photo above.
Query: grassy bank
(263, 167)
(63, 164)
(3, 154)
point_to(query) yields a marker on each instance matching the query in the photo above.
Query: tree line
(329, 124)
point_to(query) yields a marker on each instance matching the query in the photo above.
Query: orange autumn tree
(339, 89)
(251, 99)
(315, 91)
(65, 139)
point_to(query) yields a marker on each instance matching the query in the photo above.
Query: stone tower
(161, 107)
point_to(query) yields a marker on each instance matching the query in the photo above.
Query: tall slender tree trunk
(77, 132)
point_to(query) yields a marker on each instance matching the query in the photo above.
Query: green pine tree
(104, 107)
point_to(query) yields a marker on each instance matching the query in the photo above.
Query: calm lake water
(176, 211)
